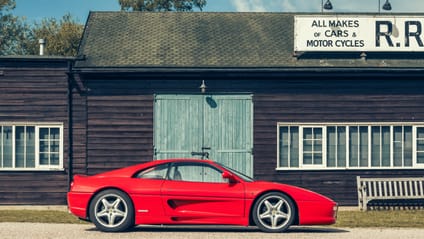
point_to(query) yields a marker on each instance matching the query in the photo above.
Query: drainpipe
(70, 125)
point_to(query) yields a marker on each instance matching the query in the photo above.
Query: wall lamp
(203, 87)
(386, 6)
(326, 6)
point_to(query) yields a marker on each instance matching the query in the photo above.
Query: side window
(157, 172)
(195, 172)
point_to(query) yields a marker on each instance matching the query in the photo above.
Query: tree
(17, 37)
(62, 37)
(161, 5)
(13, 30)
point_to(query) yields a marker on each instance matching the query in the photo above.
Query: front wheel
(112, 211)
(274, 212)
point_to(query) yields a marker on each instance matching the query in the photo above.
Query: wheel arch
(104, 189)
(296, 218)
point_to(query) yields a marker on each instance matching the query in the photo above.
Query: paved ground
(58, 231)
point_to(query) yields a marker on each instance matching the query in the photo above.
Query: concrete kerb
(62, 208)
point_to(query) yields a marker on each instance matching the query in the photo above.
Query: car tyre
(112, 211)
(274, 212)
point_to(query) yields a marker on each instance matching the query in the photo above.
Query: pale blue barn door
(217, 126)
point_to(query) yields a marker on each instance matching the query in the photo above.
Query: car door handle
(206, 148)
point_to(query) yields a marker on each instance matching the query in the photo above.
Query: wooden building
(231, 87)
(33, 130)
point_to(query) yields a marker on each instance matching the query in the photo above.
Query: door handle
(206, 148)
(202, 154)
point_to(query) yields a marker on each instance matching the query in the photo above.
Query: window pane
(397, 146)
(331, 147)
(212, 175)
(54, 147)
(341, 149)
(307, 146)
(7, 146)
(158, 172)
(54, 134)
(420, 132)
(364, 146)
(30, 147)
(307, 158)
(54, 159)
(385, 148)
(44, 159)
(318, 146)
(19, 146)
(407, 151)
(317, 133)
(284, 146)
(317, 158)
(420, 157)
(294, 147)
(44, 146)
(44, 134)
(307, 133)
(353, 146)
(375, 146)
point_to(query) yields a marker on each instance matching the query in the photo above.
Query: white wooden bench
(390, 189)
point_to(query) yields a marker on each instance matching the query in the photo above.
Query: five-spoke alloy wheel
(112, 211)
(274, 212)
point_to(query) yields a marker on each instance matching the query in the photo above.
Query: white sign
(359, 33)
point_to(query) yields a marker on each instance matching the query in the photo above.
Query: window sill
(32, 170)
(348, 169)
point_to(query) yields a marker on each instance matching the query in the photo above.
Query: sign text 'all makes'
(359, 33)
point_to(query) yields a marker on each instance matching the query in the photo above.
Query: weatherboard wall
(120, 118)
(34, 91)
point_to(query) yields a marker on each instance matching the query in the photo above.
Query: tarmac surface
(88, 231)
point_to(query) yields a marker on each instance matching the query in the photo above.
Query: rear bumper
(78, 204)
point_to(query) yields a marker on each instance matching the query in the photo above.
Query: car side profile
(193, 192)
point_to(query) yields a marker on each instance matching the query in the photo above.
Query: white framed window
(350, 146)
(31, 146)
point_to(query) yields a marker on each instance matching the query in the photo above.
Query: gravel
(88, 231)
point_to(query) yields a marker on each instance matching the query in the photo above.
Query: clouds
(249, 5)
(315, 5)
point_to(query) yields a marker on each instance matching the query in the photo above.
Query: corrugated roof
(207, 40)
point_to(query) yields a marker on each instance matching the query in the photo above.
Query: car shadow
(227, 229)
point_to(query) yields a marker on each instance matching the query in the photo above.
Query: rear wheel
(112, 211)
(274, 212)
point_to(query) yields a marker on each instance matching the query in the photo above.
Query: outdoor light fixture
(386, 6)
(326, 6)
(203, 87)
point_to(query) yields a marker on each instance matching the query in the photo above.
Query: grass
(41, 216)
(347, 219)
(390, 218)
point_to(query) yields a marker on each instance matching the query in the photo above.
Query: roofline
(37, 58)
(254, 71)
(242, 69)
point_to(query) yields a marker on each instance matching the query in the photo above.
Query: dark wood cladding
(322, 101)
(119, 126)
(34, 92)
(120, 119)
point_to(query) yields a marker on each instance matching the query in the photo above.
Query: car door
(197, 193)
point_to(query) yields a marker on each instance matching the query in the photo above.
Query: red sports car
(192, 191)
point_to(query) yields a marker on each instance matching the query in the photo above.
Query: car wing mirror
(229, 177)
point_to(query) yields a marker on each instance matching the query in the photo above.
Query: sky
(36, 10)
